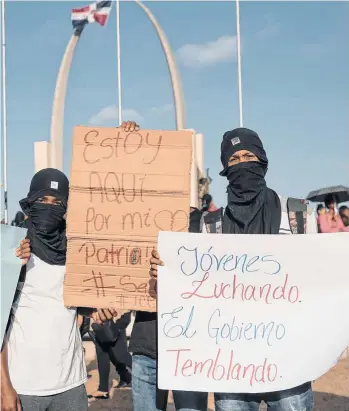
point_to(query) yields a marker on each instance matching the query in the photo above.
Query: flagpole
(118, 59)
(4, 112)
(238, 41)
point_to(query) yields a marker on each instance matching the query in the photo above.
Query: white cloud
(166, 108)
(208, 54)
(110, 114)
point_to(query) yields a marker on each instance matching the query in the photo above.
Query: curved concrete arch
(57, 118)
(174, 74)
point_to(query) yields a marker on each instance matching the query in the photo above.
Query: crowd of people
(43, 367)
(330, 218)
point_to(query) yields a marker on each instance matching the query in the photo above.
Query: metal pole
(238, 41)
(4, 112)
(118, 59)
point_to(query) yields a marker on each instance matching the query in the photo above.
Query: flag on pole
(95, 12)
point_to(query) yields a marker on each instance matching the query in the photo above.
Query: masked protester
(45, 357)
(253, 208)
(43, 364)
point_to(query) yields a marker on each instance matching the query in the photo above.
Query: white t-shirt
(45, 353)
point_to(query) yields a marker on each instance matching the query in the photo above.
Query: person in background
(331, 221)
(211, 215)
(320, 210)
(344, 214)
(83, 325)
(253, 208)
(195, 218)
(111, 347)
(18, 221)
(208, 204)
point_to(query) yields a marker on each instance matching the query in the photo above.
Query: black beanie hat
(241, 139)
(48, 181)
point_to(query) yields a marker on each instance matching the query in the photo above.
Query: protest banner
(9, 270)
(250, 313)
(124, 188)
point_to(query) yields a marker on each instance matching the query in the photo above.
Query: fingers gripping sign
(103, 315)
(23, 251)
(155, 262)
(129, 126)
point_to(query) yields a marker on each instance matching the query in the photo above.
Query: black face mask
(46, 231)
(246, 180)
(47, 218)
(252, 207)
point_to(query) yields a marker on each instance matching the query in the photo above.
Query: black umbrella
(318, 196)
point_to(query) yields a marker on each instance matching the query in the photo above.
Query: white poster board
(250, 313)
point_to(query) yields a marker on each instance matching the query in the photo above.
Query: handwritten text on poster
(124, 188)
(250, 313)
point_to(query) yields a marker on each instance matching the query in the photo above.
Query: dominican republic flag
(96, 12)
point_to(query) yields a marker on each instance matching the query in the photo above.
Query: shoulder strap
(202, 221)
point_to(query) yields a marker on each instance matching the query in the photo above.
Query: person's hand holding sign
(103, 315)
(23, 251)
(129, 126)
(155, 262)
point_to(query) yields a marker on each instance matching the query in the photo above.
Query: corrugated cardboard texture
(124, 189)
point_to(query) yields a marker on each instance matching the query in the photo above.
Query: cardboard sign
(250, 313)
(124, 189)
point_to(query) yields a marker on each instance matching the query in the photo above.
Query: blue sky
(295, 62)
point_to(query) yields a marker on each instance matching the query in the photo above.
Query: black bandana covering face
(46, 231)
(252, 207)
(45, 222)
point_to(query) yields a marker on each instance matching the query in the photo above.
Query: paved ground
(331, 392)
